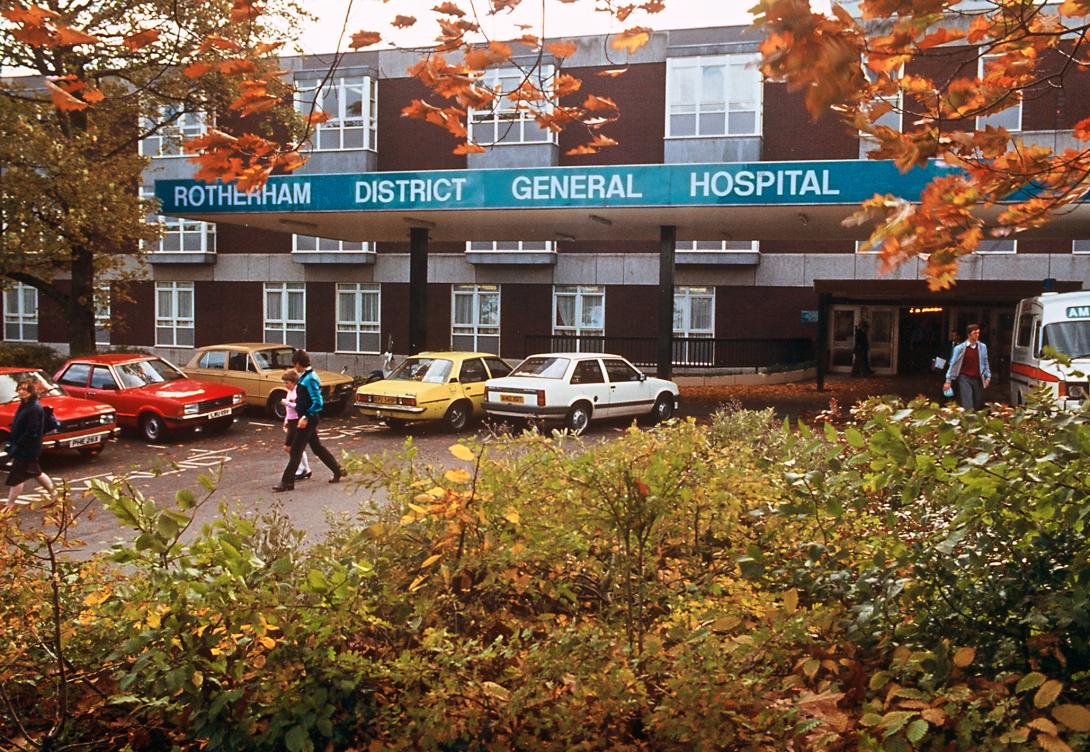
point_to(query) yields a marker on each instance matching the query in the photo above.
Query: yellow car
(432, 386)
(257, 368)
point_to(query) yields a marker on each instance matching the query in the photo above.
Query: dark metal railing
(700, 352)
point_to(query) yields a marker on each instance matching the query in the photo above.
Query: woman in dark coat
(25, 443)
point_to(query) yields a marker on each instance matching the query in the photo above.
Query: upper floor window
(892, 100)
(475, 318)
(997, 245)
(169, 140)
(723, 246)
(510, 122)
(182, 235)
(310, 244)
(359, 323)
(1080, 246)
(713, 96)
(352, 105)
(174, 323)
(21, 313)
(511, 245)
(1010, 118)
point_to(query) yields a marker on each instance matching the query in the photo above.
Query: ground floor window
(174, 314)
(102, 315)
(359, 325)
(475, 318)
(579, 312)
(286, 313)
(21, 313)
(694, 318)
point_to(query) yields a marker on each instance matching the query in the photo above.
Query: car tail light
(407, 401)
(541, 398)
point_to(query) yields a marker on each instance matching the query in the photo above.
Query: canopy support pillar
(418, 289)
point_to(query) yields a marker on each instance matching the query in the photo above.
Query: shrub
(30, 355)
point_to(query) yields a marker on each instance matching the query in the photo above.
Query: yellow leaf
(1044, 725)
(154, 620)
(462, 452)
(430, 560)
(457, 476)
(1075, 717)
(791, 601)
(197, 678)
(497, 691)
(964, 656)
(97, 597)
(418, 509)
(268, 642)
(1051, 743)
(512, 516)
(1047, 694)
(417, 583)
(631, 39)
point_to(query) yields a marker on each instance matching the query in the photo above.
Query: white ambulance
(1060, 321)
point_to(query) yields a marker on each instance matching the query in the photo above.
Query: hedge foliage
(915, 580)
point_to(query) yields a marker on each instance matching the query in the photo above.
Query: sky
(572, 19)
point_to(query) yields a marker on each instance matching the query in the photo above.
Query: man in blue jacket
(308, 403)
(969, 368)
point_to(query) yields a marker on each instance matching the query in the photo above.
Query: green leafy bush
(30, 355)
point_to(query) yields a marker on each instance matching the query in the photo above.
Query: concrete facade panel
(513, 156)
(827, 266)
(781, 270)
(507, 275)
(869, 266)
(390, 267)
(1013, 266)
(609, 268)
(715, 276)
(1070, 267)
(578, 269)
(450, 269)
(641, 269)
(725, 149)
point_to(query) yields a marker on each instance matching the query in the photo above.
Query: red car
(150, 394)
(85, 425)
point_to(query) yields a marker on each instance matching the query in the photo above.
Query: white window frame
(103, 305)
(169, 141)
(897, 101)
(509, 119)
(1080, 247)
(581, 293)
(997, 247)
(278, 329)
(731, 65)
(685, 295)
(333, 246)
(725, 246)
(873, 250)
(510, 246)
(185, 230)
(475, 328)
(170, 320)
(357, 327)
(330, 135)
(22, 318)
(984, 120)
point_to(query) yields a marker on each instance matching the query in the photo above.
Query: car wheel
(578, 418)
(457, 417)
(274, 406)
(663, 409)
(91, 451)
(338, 407)
(396, 424)
(373, 378)
(152, 428)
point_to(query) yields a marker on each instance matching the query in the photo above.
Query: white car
(577, 387)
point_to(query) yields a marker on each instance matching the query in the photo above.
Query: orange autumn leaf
(449, 9)
(530, 40)
(317, 117)
(93, 96)
(196, 70)
(595, 103)
(66, 36)
(64, 101)
(34, 15)
(612, 72)
(653, 6)
(600, 141)
(561, 50)
(632, 39)
(244, 10)
(364, 39)
(235, 66)
(403, 22)
(469, 148)
(565, 85)
(623, 12)
(218, 43)
(581, 150)
(141, 39)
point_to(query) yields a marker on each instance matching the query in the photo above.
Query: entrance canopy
(733, 201)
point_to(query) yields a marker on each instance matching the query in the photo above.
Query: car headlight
(236, 398)
(191, 409)
(1076, 391)
(106, 418)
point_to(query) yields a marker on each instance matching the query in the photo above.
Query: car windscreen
(143, 372)
(428, 370)
(278, 359)
(45, 385)
(545, 368)
(1071, 338)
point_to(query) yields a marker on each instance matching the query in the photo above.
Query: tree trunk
(79, 309)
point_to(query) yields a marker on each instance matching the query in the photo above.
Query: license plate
(511, 398)
(83, 441)
(382, 399)
(220, 413)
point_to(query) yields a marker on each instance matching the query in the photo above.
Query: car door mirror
(453, 380)
(643, 377)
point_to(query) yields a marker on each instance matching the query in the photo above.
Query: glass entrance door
(882, 323)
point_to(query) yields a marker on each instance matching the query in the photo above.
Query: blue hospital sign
(1078, 312)
(734, 184)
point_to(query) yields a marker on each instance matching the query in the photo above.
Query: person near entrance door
(970, 370)
(861, 351)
